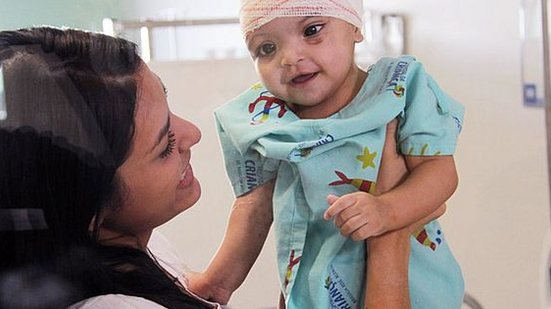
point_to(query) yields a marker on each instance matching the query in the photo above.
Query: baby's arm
(360, 215)
(249, 223)
(431, 181)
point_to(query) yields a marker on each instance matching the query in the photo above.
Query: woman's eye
(170, 146)
(266, 49)
(312, 30)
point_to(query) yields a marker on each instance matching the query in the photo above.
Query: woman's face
(157, 179)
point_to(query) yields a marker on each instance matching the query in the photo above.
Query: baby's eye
(312, 30)
(266, 49)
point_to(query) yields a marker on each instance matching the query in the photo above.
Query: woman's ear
(95, 223)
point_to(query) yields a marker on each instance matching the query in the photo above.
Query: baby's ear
(358, 36)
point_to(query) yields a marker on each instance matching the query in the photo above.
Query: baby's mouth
(303, 78)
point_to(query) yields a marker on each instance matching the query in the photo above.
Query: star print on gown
(367, 158)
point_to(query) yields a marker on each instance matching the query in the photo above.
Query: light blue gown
(262, 138)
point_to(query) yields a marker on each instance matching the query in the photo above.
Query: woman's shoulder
(166, 255)
(116, 301)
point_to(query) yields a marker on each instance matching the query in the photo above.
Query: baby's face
(308, 62)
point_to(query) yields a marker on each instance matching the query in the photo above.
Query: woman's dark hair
(67, 107)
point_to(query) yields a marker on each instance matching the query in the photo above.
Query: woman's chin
(189, 196)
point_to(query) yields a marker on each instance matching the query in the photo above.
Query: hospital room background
(483, 53)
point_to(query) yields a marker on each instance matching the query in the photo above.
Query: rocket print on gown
(271, 103)
(361, 184)
(424, 239)
(292, 263)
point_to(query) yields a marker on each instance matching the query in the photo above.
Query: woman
(92, 176)
(91, 161)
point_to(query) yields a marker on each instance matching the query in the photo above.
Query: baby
(304, 146)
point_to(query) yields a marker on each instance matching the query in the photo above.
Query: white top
(167, 257)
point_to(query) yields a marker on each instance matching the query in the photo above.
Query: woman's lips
(186, 178)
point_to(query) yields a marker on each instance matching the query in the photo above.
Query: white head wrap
(255, 13)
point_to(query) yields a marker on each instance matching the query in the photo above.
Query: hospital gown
(318, 267)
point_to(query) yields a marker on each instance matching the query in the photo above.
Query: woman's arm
(388, 254)
(387, 266)
(387, 271)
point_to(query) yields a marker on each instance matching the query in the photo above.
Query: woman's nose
(194, 132)
(189, 134)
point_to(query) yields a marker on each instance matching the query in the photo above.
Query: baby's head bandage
(256, 13)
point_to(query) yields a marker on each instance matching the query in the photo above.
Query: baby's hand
(358, 215)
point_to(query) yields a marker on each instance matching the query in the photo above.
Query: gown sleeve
(431, 120)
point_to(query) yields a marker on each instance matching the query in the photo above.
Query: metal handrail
(136, 24)
(470, 301)
(115, 26)
(547, 81)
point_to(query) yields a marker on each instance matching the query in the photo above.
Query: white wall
(496, 222)
(498, 218)
(187, 8)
